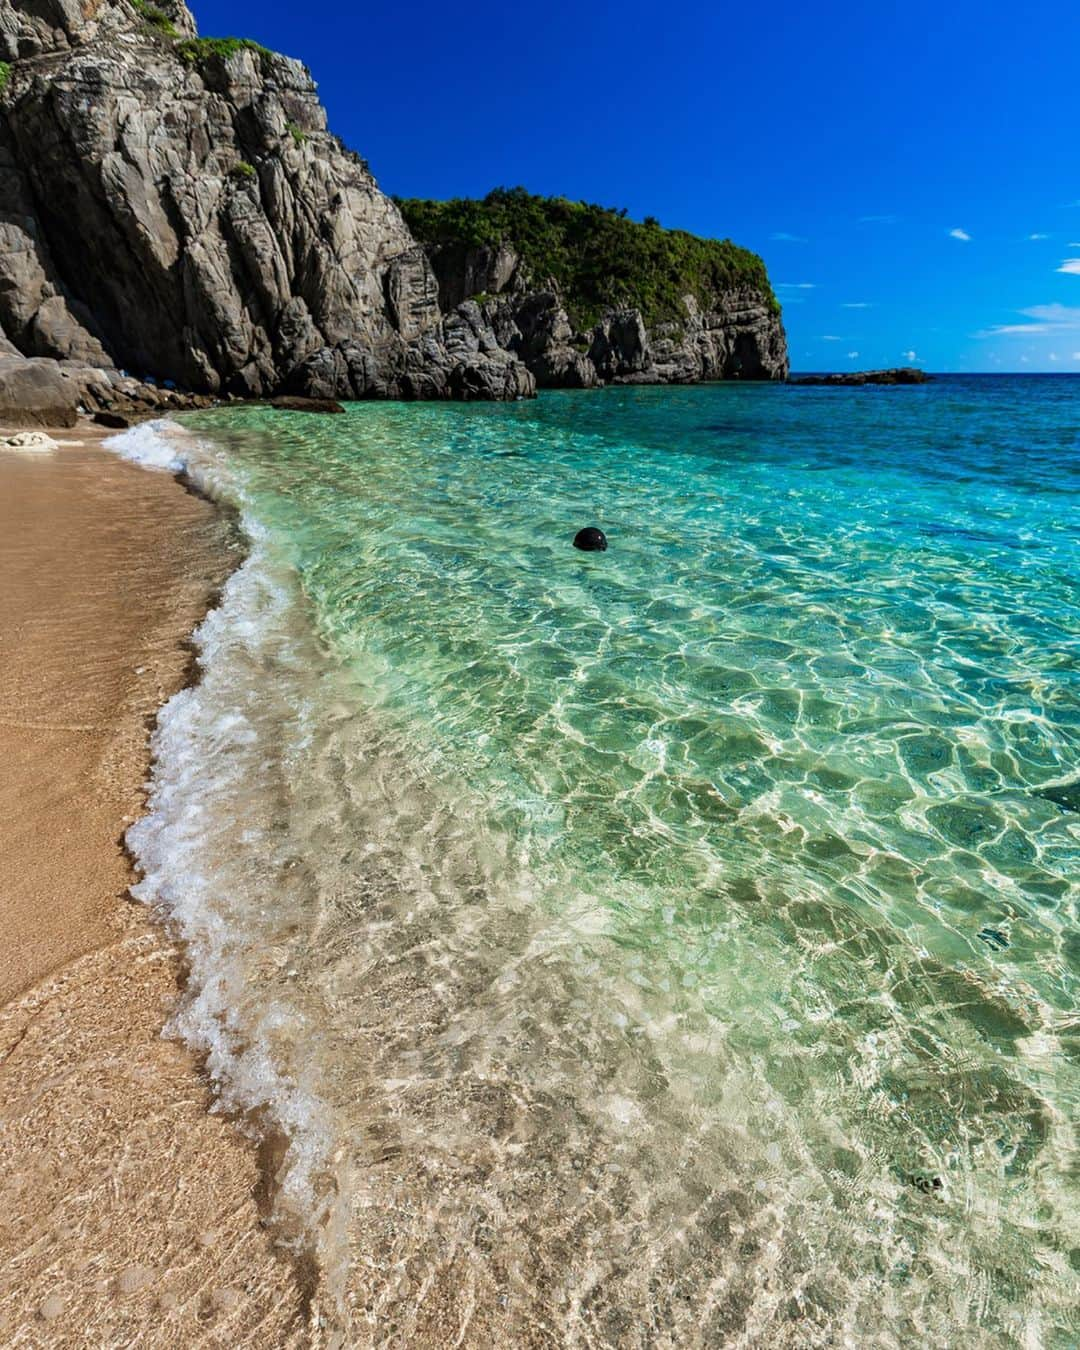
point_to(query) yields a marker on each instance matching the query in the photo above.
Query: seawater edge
(162, 445)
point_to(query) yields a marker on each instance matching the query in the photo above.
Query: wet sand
(128, 1213)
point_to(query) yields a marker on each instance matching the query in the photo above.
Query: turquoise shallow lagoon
(676, 945)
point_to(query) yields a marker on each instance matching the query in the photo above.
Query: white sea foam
(154, 445)
(202, 746)
(189, 848)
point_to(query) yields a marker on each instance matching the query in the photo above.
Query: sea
(675, 945)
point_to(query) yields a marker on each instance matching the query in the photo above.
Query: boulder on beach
(29, 443)
(35, 393)
(113, 420)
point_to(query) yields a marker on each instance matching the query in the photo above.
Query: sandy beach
(128, 1213)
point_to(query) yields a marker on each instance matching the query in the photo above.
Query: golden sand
(128, 1213)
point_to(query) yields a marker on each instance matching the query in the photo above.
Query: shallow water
(664, 946)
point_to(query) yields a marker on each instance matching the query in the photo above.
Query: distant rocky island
(175, 209)
(847, 378)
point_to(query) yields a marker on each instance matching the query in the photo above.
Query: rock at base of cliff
(35, 393)
(288, 403)
(113, 420)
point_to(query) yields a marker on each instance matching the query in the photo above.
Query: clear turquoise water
(664, 946)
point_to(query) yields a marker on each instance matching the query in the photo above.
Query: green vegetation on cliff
(5, 76)
(598, 257)
(197, 50)
(155, 17)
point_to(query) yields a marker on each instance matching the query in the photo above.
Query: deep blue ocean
(674, 945)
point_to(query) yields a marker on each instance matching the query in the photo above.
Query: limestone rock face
(184, 214)
(738, 337)
(535, 326)
(467, 272)
(38, 26)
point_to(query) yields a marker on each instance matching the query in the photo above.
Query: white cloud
(1071, 267)
(961, 235)
(852, 355)
(1045, 319)
(830, 337)
(911, 357)
(855, 304)
(1076, 356)
(782, 237)
(1074, 243)
(796, 285)
(1011, 329)
(1053, 356)
(1039, 236)
(1062, 316)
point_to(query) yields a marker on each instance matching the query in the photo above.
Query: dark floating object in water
(1065, 795)
(590, 540)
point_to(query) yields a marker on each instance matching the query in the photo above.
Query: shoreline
(129, 1209)
(489, 1190)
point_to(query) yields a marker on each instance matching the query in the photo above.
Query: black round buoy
(591, 540)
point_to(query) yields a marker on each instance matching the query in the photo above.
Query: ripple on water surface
(669, 945)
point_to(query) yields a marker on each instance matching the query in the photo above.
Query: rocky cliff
(585, 296)
(176, 207)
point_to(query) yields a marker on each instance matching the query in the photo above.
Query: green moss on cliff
(155, 17)
(5, 76)
(195, 51)
(599, 258)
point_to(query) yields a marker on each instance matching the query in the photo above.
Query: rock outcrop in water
(177, 208)
(587, 297)
(174, 207)
(895, 375)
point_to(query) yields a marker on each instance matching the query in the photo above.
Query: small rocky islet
(856, 378)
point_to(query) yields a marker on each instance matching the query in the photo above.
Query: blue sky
(910, 173)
